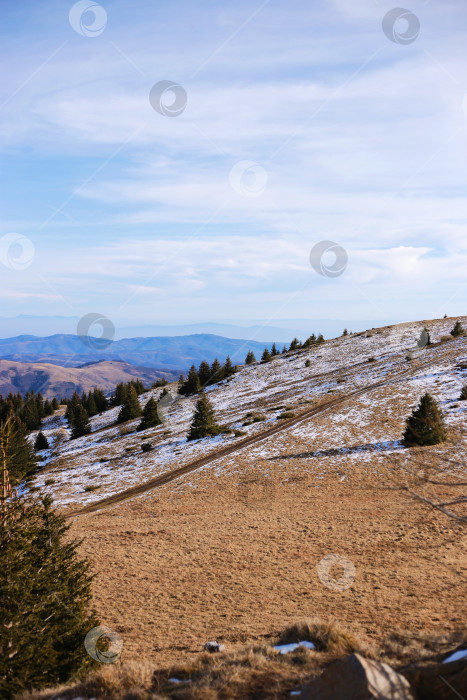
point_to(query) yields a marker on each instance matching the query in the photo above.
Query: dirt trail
(237, 446)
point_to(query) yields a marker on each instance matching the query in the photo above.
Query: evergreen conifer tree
(204, 373)
(284, 350)
(216, 372)
(274, 350)
(55, 404)
(80, 424)
(457, 330)
(320, 338)
(41, 442)
(463, 395)
(228, 368)
(345, 332)
(131, 407)
(266, 356)
(250, 358)
(21, 460)
(45, 592)
(295, 344)
(191, 385)
(426, 425)
(150, 416)
(204, 421)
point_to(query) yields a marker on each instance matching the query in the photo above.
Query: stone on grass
(212, 647)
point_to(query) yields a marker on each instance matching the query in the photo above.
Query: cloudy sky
(289, 124)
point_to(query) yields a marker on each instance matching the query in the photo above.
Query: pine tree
(41, 442)
(266, 356)
(80, 424)
(191, 385)
(284, 350)
(21, 460)
(204, 422)
(72, 408)
(55, 404)
(91, 407)
(320, 338)
(48, 410)
(131, 407)
(295, 344)
(310, 341)
(274, 350)
(426, 425)
(204, 373)
(45, 592)
(345, 332)
(151, 416)
(228, 369)
(216, 372)
(457, 330)
(250, 358)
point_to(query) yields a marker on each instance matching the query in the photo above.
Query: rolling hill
(53, 380)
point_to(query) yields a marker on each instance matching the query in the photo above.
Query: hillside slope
(232, 549)
(53, 380)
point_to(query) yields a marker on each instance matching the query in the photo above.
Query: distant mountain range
(52, 380)
(281, 331)
(176, 353)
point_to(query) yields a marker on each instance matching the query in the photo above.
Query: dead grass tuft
(326, 636)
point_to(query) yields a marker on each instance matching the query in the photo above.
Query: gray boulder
(357, 678)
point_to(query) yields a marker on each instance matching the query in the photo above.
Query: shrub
(239, 433)
(307, 363)
(41, 442)
(204, 421)
(285, 415)
(131, 407)
(426, 425)
(49, 482)
(457, 330)
(463, 395)
(151, 416)
(146, 447)
(91, 487)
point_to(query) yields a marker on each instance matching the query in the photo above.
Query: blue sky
(354, 138)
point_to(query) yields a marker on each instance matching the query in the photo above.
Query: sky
(309, 162)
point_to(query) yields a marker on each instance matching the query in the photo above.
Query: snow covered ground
(362, 430)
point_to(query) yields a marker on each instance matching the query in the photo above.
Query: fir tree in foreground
(204, 421)
(41, 442)
(45, 591)
(131, 407)
(457, 330)
(426, 425)
(266, 356)
(80, 422)
(151, 416)
(21, 459)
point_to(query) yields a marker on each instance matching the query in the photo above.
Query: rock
(446, 680)
(212, 647)
(357, 678)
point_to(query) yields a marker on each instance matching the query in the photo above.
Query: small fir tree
(250, 358)
(266, 356)
(457, 330)
(274, 350)
(426, 425)
(295, 344)
(204, 373)
(217, 373)
(284, 350)
(41, 442)
(320, 338)
(131, 408)
(80, 425)
(55, 404)
(151, 416)
(21, 459)
(204, 421)
(228, 369)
